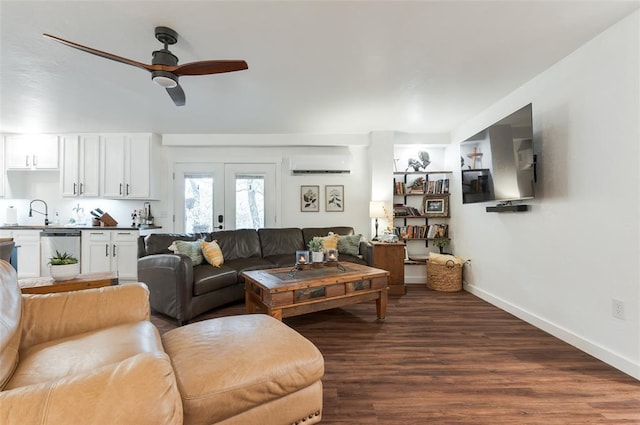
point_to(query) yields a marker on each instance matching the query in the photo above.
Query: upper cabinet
(80, 173)
(31, 152)
(130, 166)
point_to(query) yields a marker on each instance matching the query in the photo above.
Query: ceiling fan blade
(101, 53)
(177, 95)
(210, 67)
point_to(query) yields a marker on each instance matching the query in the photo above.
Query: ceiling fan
(164, 67)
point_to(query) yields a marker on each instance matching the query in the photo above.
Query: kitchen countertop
(85, 227)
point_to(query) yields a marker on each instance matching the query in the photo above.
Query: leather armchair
(93, 357)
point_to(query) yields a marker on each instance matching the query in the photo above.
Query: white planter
(317, 257)
(65, 272)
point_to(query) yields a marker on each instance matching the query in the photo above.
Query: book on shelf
(438, 231)
(437, 187)
(400, 210)
(399, 188)
(428, 187)
(425, 231)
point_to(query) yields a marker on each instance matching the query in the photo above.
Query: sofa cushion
(240, 379)
(242, 243)
(310, 232)
(10, 314)
(212, 253)
(207, 278)
(281, 241)
(282, 260)
(358, 259)
(190, 249)
(84, 353)
(158, 243)
(246, 264)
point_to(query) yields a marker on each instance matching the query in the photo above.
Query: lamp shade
(376, 209)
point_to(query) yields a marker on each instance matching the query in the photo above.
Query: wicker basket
(444, 277)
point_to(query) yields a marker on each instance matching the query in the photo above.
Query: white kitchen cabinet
(31, 152)
(110, 251)
(80, 172)
(27, 243)
(130, 166)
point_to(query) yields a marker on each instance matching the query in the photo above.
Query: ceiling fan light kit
(164, 79)
(164, 66)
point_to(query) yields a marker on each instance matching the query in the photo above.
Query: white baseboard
(619, 362)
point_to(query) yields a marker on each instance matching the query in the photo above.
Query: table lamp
(376, 210)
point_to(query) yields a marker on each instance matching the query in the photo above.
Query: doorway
(217, 196)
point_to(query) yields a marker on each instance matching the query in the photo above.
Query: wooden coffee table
(282, 293)
(46, 285)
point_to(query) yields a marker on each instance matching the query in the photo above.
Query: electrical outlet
(617, 309)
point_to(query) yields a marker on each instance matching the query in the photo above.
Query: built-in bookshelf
(421, 209)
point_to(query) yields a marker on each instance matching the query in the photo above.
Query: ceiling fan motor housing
(164, 78)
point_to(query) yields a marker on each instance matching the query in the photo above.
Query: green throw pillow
(190, 249)
(349, 244)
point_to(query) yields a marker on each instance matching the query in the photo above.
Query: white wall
(254, 149)
(560, 265)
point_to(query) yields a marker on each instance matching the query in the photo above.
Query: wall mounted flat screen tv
(498, 163)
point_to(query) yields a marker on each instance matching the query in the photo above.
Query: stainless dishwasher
(58, 239)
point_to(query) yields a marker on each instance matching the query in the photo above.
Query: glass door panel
(250, 192)
(249, 201)
(199, 197)
(198, 203)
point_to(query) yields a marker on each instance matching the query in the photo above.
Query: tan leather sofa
(93, 357)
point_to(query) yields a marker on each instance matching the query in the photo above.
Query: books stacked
(400, 210)
(428, 187)
(422, 231)
(437, 187)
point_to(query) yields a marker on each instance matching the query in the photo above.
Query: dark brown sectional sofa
(182, 291)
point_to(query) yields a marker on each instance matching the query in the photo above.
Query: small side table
(390, 257)
(46, 285)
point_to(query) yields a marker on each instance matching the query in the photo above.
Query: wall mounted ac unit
(320, 164)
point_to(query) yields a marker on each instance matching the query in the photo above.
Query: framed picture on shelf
(436, 206)
(310, 198)
(334, 198)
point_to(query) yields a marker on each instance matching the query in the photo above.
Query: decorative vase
(317, 256)
(65, 271)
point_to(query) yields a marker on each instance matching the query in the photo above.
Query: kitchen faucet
(45, 213)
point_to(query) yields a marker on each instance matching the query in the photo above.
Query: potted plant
(315, 246)
(64, 266)
(441, 242)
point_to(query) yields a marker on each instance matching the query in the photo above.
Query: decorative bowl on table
(65, 271)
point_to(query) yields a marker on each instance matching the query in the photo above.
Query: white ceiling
(314, 66)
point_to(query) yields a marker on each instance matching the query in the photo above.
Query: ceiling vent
(320, 164)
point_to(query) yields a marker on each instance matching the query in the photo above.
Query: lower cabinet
(111, 250)
(28, 250)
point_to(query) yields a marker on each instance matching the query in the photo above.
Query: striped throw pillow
(212, 253)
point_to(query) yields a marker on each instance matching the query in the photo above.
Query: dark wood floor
(451, 358)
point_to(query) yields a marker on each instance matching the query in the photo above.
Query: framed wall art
(436, 206)
(310, 198)
(334, 198)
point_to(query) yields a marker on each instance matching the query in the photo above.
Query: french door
(217, 196)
